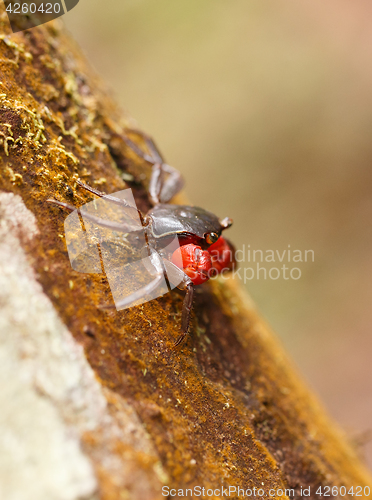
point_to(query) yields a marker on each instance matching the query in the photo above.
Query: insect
(201, 251)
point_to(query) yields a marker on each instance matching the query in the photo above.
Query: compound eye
(211, 238)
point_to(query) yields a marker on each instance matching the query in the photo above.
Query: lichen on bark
(227, 408)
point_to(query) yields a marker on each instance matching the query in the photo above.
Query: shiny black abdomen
(182, 220)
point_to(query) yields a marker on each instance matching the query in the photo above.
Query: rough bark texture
(96, 404)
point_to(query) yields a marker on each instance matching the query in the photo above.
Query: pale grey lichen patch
(49, 396)
(15, 219)
(40, 456)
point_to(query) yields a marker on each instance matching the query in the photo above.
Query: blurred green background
(266, 109)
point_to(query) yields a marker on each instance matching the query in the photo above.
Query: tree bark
(96, 404)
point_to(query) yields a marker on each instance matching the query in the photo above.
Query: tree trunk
(95, 403)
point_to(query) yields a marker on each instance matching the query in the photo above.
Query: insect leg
(178, 278)
(156, 157)
(172, 185)
(156, 183)
(162, 187)
(114, 226)
(109, 197)
(186, 311)
(165, 183)
(157, 160)
(61, 204)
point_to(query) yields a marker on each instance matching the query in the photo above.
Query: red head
(200, 265)
(194, 261)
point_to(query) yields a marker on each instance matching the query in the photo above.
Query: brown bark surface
(226, 408)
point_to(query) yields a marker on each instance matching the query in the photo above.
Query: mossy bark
(227, 408)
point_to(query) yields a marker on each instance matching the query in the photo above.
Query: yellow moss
(100, 181)
(14, 178)
(18, 50)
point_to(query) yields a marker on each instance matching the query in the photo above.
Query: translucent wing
(104, 235)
